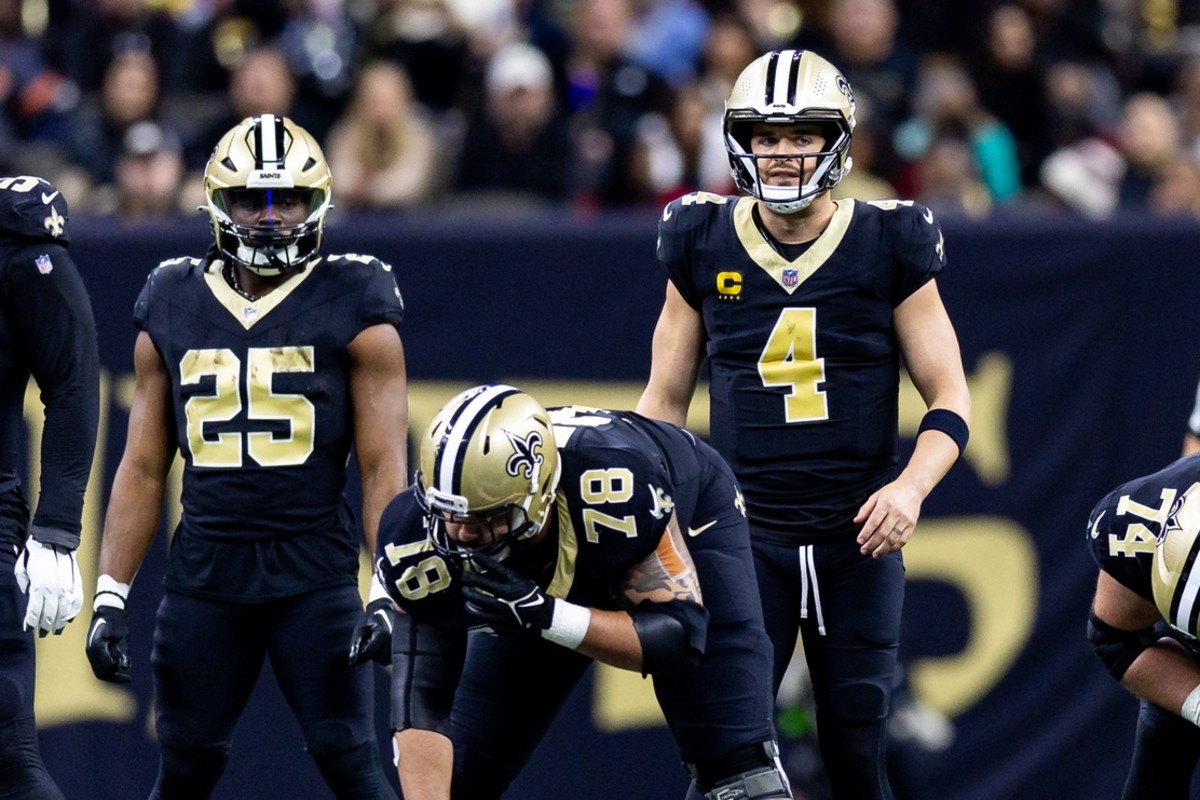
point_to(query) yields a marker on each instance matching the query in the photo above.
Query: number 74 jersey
(803, 355)
(260, 390)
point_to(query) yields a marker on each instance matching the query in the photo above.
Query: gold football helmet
(266, 163)
(1174, 576)
(488, 457)
(788, 87)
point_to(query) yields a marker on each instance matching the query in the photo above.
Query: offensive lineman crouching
(562, 532)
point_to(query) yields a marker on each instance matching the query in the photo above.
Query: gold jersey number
(789, 359)
(225, 450)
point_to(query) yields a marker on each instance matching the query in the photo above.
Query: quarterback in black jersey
(262, 364)
(1143, 623)
(804, 308)
(47, 331)
(564, 533)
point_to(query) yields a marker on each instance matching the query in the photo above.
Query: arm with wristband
(662, 630)
(930, 349)
(134, 508)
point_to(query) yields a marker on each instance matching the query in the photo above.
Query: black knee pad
(355, 774)
(23, 776)
(187, 773)
(859, 703)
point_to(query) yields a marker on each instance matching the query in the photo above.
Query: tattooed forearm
(666, 574)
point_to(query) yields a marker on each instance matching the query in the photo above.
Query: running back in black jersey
(1126, 526)
(260, 391)
(803, 355)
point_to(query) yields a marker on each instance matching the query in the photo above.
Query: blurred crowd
(1078, 106)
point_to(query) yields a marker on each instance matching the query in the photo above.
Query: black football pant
(847, 608)
(207, 657)
(1166, 749)
(23, 776)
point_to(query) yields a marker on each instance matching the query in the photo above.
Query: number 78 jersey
(261, 390)
(803, 355)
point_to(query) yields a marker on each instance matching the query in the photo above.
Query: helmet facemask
(831, 162)
(271, 247)
(506, 528)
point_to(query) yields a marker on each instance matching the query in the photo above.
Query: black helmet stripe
(457, 434)
(269, 134)
(778, 89)
(1185, 609)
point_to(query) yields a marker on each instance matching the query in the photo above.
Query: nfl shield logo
(249, 313)
(43, 264)
(790, 277)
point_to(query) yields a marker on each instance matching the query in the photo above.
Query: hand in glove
(372, 638)
(48, 574)
(506, 600)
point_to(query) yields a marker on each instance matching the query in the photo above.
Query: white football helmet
(787, 87)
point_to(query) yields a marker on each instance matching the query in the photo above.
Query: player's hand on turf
(108, 644)
(372, 637)
(506, 600)
(48, 574)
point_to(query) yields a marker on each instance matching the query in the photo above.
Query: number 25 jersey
(261, 398)
(804, 362)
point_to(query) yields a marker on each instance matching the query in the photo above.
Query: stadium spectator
(149, 174)
(518, 145)
(1149, 144)
(383, 149)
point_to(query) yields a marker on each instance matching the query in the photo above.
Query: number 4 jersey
(262, 416)
(804, 363)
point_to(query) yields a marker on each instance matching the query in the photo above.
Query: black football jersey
(261, 396)
(46, 330)
(803, 356)
(615, 498)
(1125, 527)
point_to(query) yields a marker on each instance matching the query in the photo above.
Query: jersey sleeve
(380, 303)
(674, 250)
(33, 209)
(419, 580)
(53, 323)
(919, 248)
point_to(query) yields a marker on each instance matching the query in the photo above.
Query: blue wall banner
(1082, 349)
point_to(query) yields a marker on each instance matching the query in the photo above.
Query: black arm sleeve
(427, 662)
(54, 330)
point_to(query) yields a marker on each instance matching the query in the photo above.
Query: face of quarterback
(788, 144)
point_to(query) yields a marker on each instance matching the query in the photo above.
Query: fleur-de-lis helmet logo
(526, 459)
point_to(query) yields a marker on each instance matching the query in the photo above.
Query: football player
(564, 533)
(1143, 623)
(804, 307)
(46, 330)
(261, 363)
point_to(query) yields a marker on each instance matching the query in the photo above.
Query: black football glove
(372, 637)
(506, 600)
(108, 644)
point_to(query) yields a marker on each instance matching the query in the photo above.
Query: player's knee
(187, 773)
(859, 703)
(355, 773)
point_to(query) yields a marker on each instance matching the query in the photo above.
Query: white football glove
(49, 575)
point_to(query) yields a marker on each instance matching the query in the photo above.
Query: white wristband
(376, 592)
(1191, 707)
(110, 592)
(569, 624)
